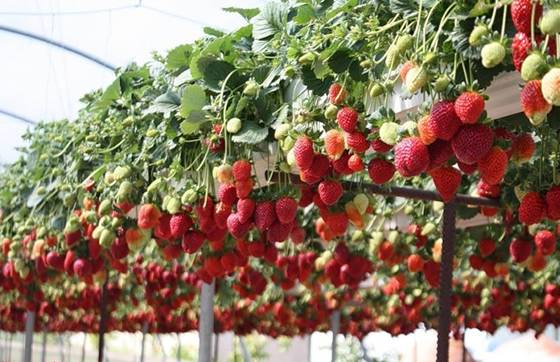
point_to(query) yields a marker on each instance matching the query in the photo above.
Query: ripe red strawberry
(241, 170)
(341, 165)
(237, 228)
(486, 246)
(303, 152)
(431, 273)
(553, 203)
(522, 148)
(467, 169)
(337, 94)
(337, 222)
(425, 131)
(264, 215)
(493, 167)
(545, 242)
(148, 216)
(469, 106)
(521, 12)
(520, 47)
(476, 262)
(380, 171)
(411, 157)
(472, 143)
(227, 193)
(245, 209)
(334, 143)
(380, 147)
(443, 120)
(243, 188)
(447, 181)
(490, 191)
(415, 263)
(520, 249)
(440, 152)
(330, 191)
(286, 209)
(533, 103)
(179, 224)
(297, 235)
(347, 119)
(221, 214)
(357, 142)
(355, 163)
(532, 208)
(278, 232)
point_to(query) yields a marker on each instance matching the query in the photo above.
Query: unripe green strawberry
(430, 58)
(376, 90)
(281, 131)
(428, 229)
(125, 189)
(534, 67)
(307, 58)
(393, 58)
(550, 22)
(233, 125)
(155, 185)
(41, 232)
(116, 222)
(285, 167)
(152, 132)
(404, 42)
(331, 111)
(551, 86)
(91, 217)
(174, 205)
(188, 197)
(121, 172)
(251, 88)
(389, 132)
(108, 178)
(96, 234)
(289, 71)
(73, 224)
(361, 201)
(441, 83)
(416, 78)
(290, 157)
(366, 63)
(105, 221)
(477, 34)
(24, 272)
(357, 235)
(288, 143)
(394, 236)
(106, 238)
(493, 54)
(408, 209)
(41, 190)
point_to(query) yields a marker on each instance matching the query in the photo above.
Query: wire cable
(17, 117)
(74, 12)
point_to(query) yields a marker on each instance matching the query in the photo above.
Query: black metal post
(102, 322)
(445, 281)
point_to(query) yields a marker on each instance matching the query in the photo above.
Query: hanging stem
(494, 11)
(504, 18)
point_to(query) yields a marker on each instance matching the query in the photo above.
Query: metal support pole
(244, 350)
(206, 322)
(309, 347)
(178, 347)
(61, 347)
(102, 322)
(216, 347)
(164, 356)
(11, 337)
(29, 325)
(445, 280)
(84, 348)
(335, 328)
(44, 347)
(144, 331)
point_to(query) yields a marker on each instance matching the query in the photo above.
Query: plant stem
(504, 18)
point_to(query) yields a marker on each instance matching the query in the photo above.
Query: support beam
(244, 350)
(29, 326)
(84, 348)
(44, 347)
(178, 347)
(216, 347)
(445, 280)
(335, 328)
(102, 322)
(206, 322)
(144, 331)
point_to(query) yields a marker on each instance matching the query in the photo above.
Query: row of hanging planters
(182, 171)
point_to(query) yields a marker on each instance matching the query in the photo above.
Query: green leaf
(270, 21)
(305, 14)
(317, 86)
(246, 13)
(194, 98)
(340, 60)
(189, 126)
(178, 57)
(217, 71)
(213, 31)
(165, 103)
(111, 93)
(250, 133)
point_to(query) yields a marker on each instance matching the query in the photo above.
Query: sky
(41, 82)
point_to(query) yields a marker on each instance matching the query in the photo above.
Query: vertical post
(206, 322)
(29, 325)
(102, 321)
(84, 348)
(178, 347)
(144, 331)
(10, 338)
(445, 279)
(309, 347)
(464, 348)
(164, 356)
(244, 350)
(44, 347)
(335, 328)
(216, 347)
(61, 347)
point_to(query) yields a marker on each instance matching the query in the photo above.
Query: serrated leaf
(246, 13)
(315, 85)
(189, 126)
(340, 60)
(165, 103)
(213, 31)
(217, 71)
(194, 98)
(304, 14)
(111, 93)
(271, 20)
(178, 57)
(251, 133)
